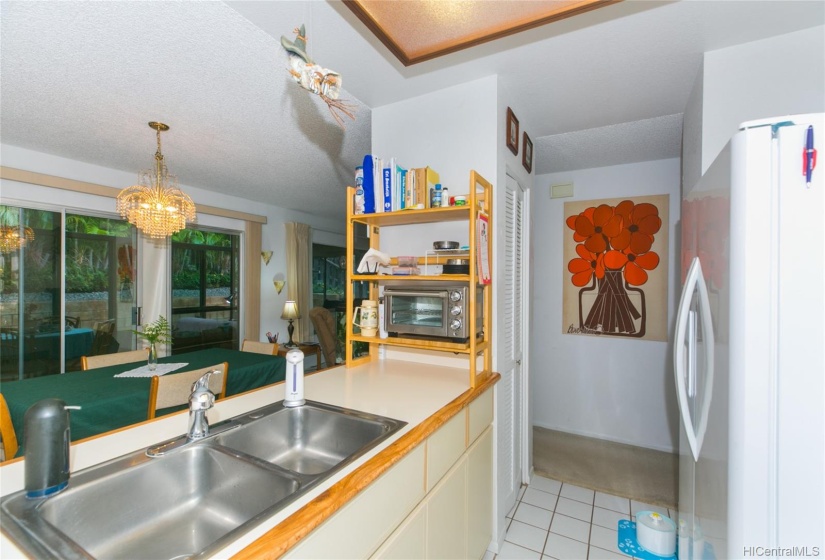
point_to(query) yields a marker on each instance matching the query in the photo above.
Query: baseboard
(495, 544)
(606, 438)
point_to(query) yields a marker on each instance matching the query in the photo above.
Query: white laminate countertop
(403, 390)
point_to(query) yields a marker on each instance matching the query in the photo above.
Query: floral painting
(615, 267)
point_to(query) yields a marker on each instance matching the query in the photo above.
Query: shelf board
(407, 217)
(459, 347)
(412, 278)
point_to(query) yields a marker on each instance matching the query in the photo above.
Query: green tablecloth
(109, 403)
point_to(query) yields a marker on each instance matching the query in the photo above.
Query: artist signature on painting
(584, 330)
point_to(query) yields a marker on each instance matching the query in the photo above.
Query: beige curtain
(251, 300)
(298, 275)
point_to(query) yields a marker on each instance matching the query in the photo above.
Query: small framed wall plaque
(527, 154)
(512, 131)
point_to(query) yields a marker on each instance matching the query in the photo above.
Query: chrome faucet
(201, 400)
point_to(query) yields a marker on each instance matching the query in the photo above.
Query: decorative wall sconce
(279, 281)
(266, 255)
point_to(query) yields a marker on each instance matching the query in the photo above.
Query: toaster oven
(437, 310)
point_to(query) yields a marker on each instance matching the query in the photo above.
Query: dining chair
(324, 322)
(256, 347)
(104, 341)
(92, 362)
(9, 438)
(173, 389)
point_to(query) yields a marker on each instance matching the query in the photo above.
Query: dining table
(107, 402)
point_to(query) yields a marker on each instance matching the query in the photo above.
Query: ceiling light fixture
(12, 238)
(156, 206)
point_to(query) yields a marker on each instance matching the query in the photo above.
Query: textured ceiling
(82, 79)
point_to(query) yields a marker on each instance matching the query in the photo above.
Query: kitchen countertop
(423, 395)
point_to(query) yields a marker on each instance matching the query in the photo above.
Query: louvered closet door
(511, 347)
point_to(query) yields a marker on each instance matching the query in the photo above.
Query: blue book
(369, 187)
(387, 189)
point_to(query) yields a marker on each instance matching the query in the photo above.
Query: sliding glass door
(205, 290)
(60, 302)
(101, 286)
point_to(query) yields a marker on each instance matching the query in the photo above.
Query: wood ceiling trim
(461, 44)
(53, 181)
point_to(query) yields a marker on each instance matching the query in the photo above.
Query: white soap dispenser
(294, 383)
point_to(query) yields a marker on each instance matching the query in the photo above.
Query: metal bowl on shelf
(445, 245)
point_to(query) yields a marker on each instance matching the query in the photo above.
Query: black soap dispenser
(46, 440)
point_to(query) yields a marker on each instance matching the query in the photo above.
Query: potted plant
(154, 333)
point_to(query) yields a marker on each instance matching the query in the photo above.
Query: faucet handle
(202, 383)
(202, 398)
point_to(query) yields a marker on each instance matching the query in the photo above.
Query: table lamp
(290, 313)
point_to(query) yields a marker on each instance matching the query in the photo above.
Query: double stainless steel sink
(194, 499)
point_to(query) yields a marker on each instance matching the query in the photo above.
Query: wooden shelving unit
(478, 350)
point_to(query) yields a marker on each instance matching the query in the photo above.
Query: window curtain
(154, 268)
(251, 300)
(299, 275)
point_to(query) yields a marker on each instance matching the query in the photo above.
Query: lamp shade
(290, 311)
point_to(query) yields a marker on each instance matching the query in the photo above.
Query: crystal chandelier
(156, 206)
(12, 238)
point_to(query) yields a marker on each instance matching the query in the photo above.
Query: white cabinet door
(480, 495)
(447, 515)
(409, 540)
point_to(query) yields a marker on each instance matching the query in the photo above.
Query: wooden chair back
(324, 322)
(9, 447)
(270, 348)
(92, 362)
(173, 389)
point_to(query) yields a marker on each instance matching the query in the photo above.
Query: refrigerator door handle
(686, 336)
(691, 357)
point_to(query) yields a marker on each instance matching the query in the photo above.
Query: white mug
(368, 315)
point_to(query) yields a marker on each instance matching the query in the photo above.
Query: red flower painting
(614, 256)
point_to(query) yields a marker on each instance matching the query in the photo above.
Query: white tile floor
(552, 520)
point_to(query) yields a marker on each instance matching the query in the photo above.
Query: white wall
(330, 231)
(452, 131)
(619, 390)
(783, 75)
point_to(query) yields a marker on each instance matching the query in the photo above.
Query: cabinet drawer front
(481, 415)
(357, 529)
(444, 448)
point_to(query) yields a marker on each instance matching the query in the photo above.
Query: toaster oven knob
(455, 311)
(455, 296)
(455, 324)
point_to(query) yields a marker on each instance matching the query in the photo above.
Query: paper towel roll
(656, 533)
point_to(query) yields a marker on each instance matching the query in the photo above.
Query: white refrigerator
(749, 348)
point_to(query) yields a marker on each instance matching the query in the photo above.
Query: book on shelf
(389, 187)
(386, 182)
(368, 185)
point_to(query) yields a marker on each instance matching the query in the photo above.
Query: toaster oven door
(422, 313)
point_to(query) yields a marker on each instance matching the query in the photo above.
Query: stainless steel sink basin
(310, 439)
(193, 500)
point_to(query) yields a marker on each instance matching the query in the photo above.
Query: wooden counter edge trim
(278, 540)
